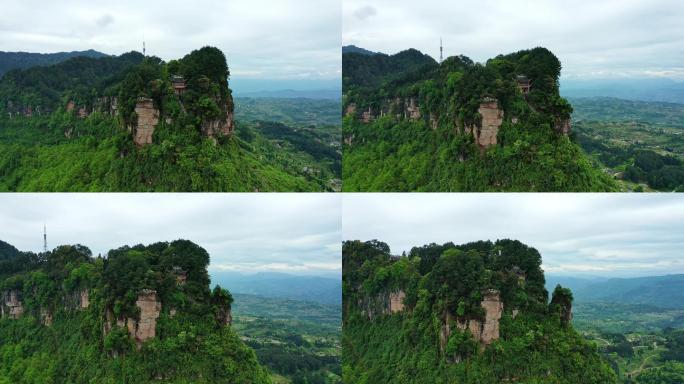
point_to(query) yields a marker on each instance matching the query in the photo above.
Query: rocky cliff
(147, 119)
(492, 117)
(484, 330)
(383, 304)
(11, 305)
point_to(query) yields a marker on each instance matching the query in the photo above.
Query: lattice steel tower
(441, 50)
(44, 238)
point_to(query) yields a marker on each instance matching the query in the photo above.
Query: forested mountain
(23, 60)
(354, 49)
(135, 123)
(141, 314)
(413, 124)
(471, 313)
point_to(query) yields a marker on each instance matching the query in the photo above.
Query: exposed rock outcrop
(492, 117)
(78, 299)
(224, 316)
(562, 126)
(148, 118)
(484, 331)
(384, 304)
(396, 301)
(145, 327)
(45, 317)
(150, 308)
(12, 306)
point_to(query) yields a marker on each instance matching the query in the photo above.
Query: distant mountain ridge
(23, 60)
(660, 291)
(328, 94)
(363, 70)
(323, 290)
(645, 89)
(354, 49)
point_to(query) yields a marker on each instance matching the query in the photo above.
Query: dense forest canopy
(73, 126)
(439, 148)
(445, 285)
(56, 339)
(23, 60)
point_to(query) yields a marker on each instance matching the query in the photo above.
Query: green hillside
(415, 125)
(123, 124)
(142, 314)
(472, 313)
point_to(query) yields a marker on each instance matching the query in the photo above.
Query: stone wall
(148, 118)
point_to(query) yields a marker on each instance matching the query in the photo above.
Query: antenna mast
(441, 49)
(44, 238)
(144, 45)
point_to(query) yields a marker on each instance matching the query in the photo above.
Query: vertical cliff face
(148, 118)
(484, 331)
(563, 126)
(384, 304)
(150, 307)
(145, 327)
(223, 126)
(492, 118)
(12, 306)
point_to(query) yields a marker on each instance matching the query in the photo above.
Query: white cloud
(261, 38)
(618, 234)
(609, 38)
(250, 232)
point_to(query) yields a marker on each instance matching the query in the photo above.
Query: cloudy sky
(610, 235)
(593, 39)
(290, 233)
(284, 39)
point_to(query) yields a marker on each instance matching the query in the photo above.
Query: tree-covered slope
(125, 124)
(142, 314)
(23, 60)
(472, 313)
(462, 126)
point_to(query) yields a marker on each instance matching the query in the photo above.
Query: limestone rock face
(484, 331)
(214, 128)
(150, 308)
(396, 301)
(411, 109)
(85, 299)
(384, 304)
(148, 118)
(224, 316)
(563, 126)
(493, 307)
(11, 304)
(492, 118)
(45, 317)
(223, 126)
(351, 110)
